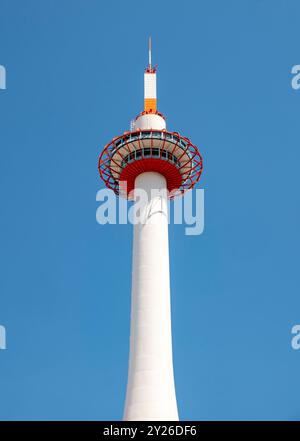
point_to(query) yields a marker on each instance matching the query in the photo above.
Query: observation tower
(163, 164)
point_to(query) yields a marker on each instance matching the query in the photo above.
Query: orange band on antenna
(150, 104)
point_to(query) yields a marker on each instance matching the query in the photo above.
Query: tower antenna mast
(149, 52)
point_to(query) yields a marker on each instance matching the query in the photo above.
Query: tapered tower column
(150, 390)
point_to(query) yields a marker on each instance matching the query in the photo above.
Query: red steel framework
(119, 163)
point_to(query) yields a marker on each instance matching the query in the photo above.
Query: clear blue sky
(74, 80)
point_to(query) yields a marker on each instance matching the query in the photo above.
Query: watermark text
(150, 206)
(296, 78)
(2, 337)
(295, 342)
(2, 77)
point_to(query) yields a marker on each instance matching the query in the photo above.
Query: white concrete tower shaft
(150, 390)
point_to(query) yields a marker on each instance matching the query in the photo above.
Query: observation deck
(167, 153)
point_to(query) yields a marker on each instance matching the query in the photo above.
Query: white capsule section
(150, 102)
(150, 85)
(150, 390)
(150, 121)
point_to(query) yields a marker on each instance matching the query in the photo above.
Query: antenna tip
(149, 52)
